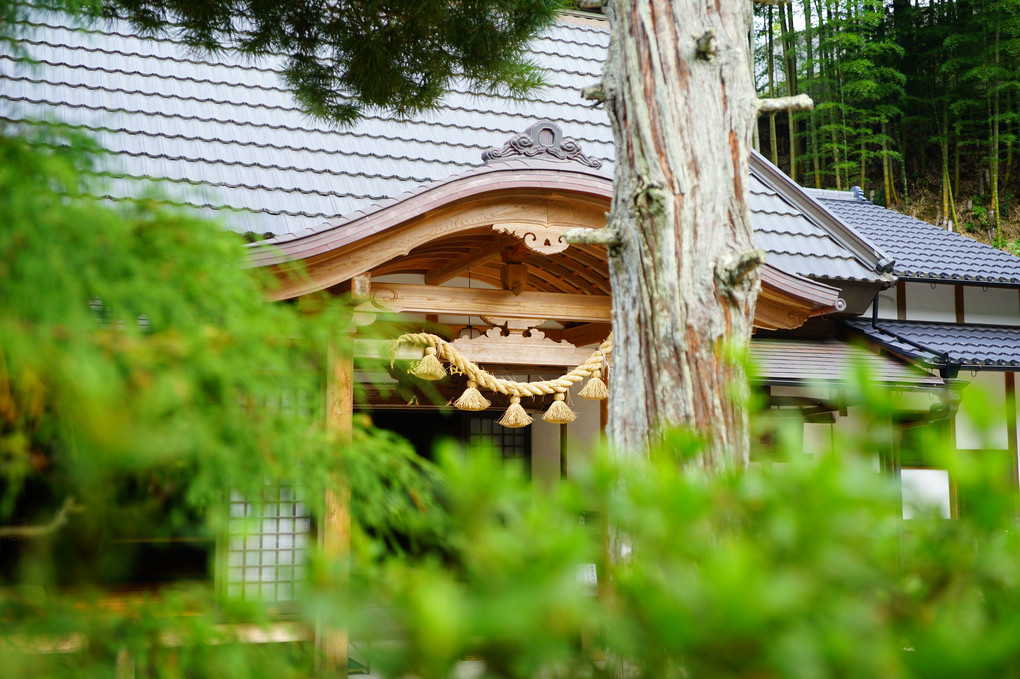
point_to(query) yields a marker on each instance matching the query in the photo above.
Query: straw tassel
(515, 417)
(559, 412)
(472, 399)
(429, 368)
(595, 389)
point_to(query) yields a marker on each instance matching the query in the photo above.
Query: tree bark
(684, 269)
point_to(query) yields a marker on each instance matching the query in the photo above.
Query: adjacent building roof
(798, 362)
(221, 133)
(920, 249)
(788, 226)
(946, 344)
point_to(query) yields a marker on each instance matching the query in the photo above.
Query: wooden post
(335, 535)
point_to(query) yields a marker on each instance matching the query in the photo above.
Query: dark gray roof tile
(971, 346)
(922, 250)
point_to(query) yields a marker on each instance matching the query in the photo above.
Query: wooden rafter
(479, 257)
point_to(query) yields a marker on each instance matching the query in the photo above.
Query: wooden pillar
(335, 534)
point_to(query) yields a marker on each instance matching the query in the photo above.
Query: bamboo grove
(909, 94)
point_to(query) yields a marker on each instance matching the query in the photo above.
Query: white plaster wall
(999, 306)
(817, 439)
(981, 421)
(925, 492)
(886, 304)
(545, 454)
(583, 434)
(927, 304)
(583, 438)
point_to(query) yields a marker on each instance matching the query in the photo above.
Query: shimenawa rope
(437, 350)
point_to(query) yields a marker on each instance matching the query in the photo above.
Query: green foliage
(144, 377)
(1010, 246)
(140, 363)
(346, 57)
(980, 220)
(801, 569)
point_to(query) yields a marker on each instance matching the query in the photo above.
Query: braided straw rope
(591, 366)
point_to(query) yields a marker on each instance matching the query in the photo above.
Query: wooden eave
(444, 228)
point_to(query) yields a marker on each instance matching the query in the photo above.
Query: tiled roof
(220, 133)
(969, 346)
(793, 241)
(922, 250)
(230, 138)
(829, 361)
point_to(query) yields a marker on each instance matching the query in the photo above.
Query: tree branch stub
(800, 102)
(705, 47)
(607, 236)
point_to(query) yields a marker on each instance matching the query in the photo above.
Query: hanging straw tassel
(515, 417)
(429, 368)
(559, 412)
(472, 399)
(596, 389)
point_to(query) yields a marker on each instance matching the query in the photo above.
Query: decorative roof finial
(544, 137)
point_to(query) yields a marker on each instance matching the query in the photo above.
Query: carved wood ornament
(544, 239)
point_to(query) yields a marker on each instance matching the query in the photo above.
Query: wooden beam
(335, 536)
(427, 299)
(580, 335)
(474, 259)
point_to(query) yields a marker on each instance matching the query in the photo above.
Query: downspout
(943, 365)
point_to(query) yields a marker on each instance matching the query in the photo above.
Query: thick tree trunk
(684, 270)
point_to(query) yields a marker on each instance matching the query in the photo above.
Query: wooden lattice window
(268, 546)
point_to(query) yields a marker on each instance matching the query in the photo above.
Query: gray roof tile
(922, 250)
(226, 136)
(796, 243)
(970, 346)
